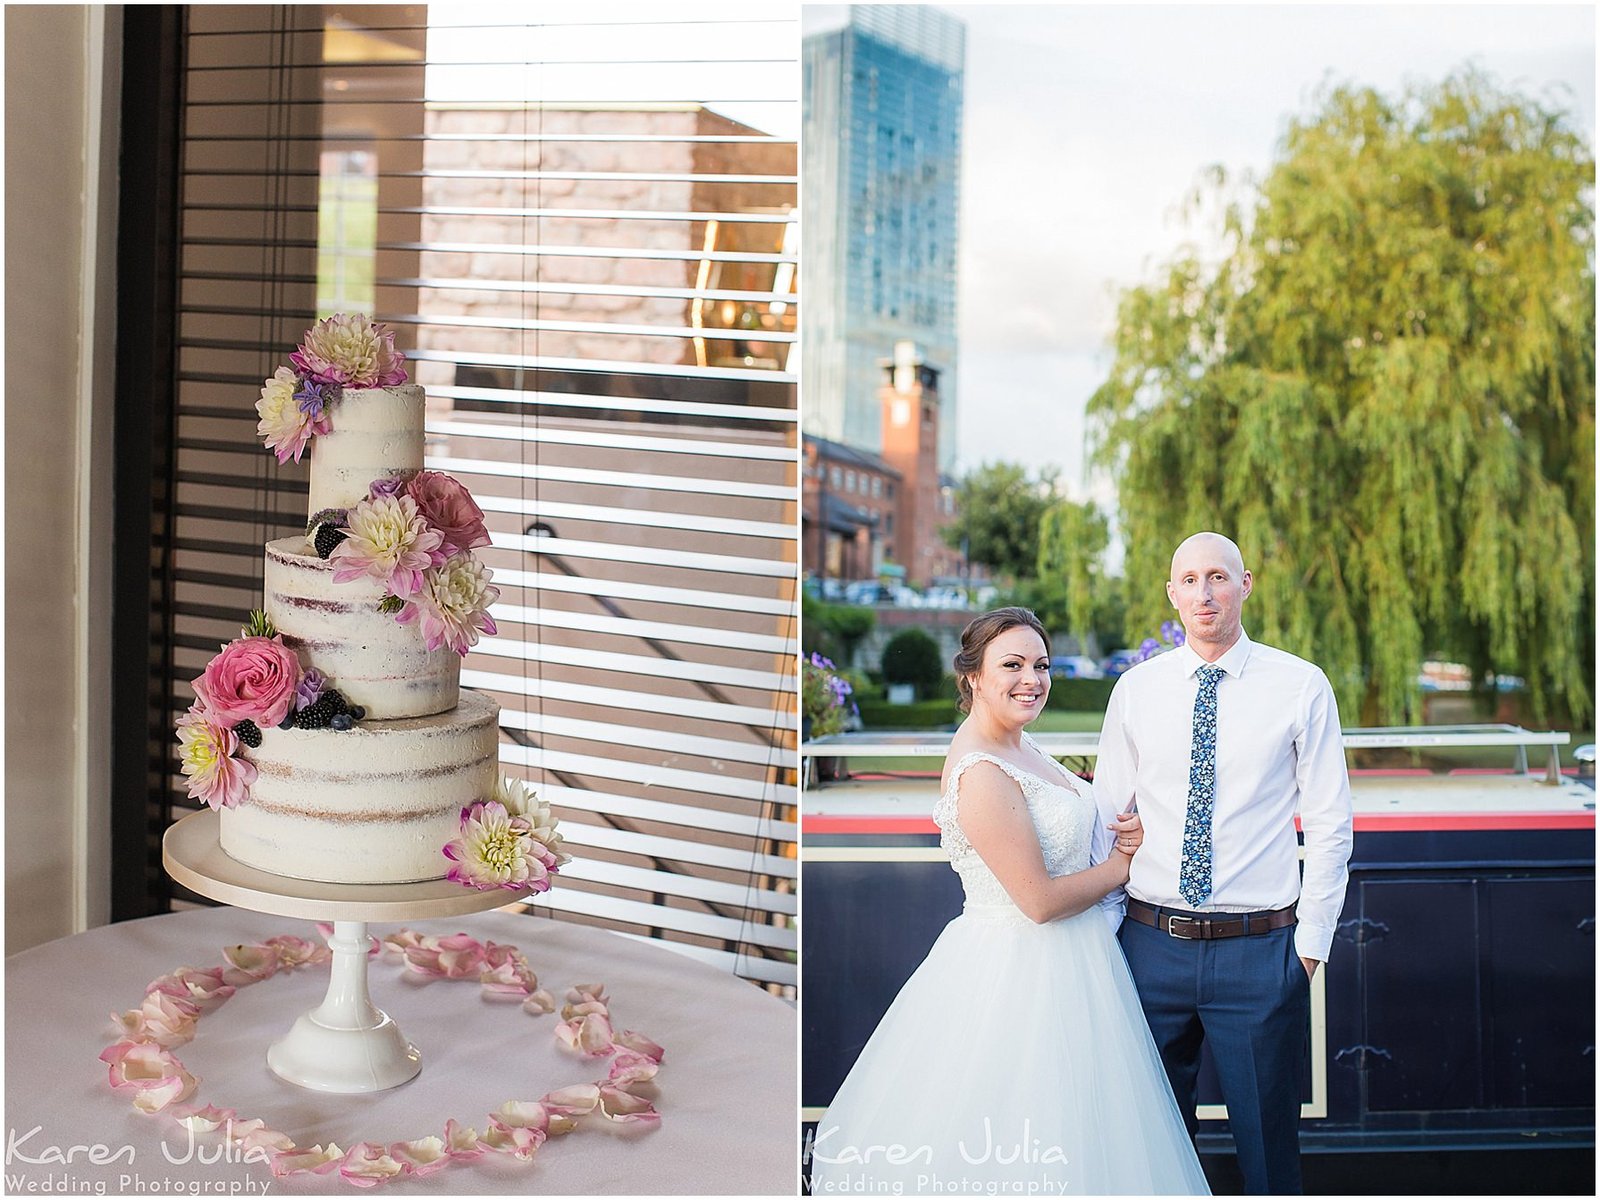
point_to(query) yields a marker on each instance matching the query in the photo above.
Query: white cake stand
(346, 1044)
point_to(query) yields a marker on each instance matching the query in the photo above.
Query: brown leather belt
(1205, 927)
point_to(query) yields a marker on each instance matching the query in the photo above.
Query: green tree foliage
(1384, 391)
(1072, 542)
(834, 630)
(913, 657)
(998, 507)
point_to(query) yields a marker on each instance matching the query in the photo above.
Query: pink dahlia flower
(453, 604)
(390, 541)
(213, 774)
(495, 851)
(351, 352)
(250, 679)
(449, 508)
(285, 426)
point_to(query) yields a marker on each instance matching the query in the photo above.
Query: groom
(1221, 743)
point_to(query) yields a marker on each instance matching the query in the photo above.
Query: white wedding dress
(1016, 1058)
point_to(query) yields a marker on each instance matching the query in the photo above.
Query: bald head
(1208, 587)
(1208, 546)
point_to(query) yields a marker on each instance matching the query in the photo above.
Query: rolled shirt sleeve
(1323, 784)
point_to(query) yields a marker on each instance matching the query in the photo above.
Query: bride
(1016, 1058)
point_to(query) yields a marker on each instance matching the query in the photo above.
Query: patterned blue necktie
(1194, 875)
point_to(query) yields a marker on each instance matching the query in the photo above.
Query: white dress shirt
(1279, 751)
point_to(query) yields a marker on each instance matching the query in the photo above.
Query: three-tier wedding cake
(333, 734)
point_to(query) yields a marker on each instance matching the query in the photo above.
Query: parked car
(1075, 666)
(867, 591)
(1117, 662)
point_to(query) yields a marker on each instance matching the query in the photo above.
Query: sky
(1087, 126)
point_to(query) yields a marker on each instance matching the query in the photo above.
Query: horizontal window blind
(583, 230)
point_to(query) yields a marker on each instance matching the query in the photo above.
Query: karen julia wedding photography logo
(991, 1163)
(64, 1167)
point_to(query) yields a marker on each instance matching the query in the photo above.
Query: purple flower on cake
(453, 604)
(213, 774)
(250, 679)
(449, 508)
(389, 485)
(284, 424)
(390, 541)
(312, 398)
(312, 684)
(350, 351)
(495, 850)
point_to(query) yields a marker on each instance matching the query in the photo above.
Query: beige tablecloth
(727, 1086)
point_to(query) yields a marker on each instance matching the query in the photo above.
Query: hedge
(923, 714)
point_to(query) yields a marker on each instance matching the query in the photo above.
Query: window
(582, 225)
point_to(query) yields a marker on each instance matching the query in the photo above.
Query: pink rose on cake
(214, 776)
(449, 508)
(453, 604)
(389, 540)
(350, 351)
(250, 679)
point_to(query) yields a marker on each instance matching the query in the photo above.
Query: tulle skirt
(1015, 1061)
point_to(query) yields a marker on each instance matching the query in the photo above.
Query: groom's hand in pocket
(1310, 964)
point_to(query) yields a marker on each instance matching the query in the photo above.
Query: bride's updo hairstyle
(975, 639)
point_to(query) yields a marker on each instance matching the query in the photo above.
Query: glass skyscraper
(880, 190)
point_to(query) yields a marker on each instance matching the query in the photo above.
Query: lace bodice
(1063, 817)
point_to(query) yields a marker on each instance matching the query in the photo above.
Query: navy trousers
(1250, 997)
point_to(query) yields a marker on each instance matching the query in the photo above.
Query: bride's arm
(994, 818)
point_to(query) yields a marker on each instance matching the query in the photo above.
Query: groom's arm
(1113, 792)
(1325, 816)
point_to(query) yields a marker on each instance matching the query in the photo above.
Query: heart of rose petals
(251, 963)
(461, 1141)
(423, 1156)
(155, 1077)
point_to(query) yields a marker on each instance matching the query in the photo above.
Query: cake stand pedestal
(346, 1044)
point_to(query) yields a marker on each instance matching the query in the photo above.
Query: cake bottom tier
(374, 804)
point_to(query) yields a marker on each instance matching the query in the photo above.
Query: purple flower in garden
(312, 684)
(1148, 648)
(821, 663)
(312, 396)
(1172, 632)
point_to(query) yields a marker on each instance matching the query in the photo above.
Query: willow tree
(1383, 388)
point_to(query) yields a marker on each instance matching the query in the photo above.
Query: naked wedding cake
(332, 734)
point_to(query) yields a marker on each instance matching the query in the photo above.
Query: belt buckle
(1172, 928)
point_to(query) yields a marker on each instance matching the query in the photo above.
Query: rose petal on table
(539, 1003)
(319, 1160)
(164, 1019)
(581, 992)
(510, 978)
(631, 1067)
(571, 1012)
(495, 953)
(254, 1135)
(519, 1141)
(461, 1141)
(623, 1107)
(298, 951)
(368, 1164)
(250, 963)
(576, 1100)
(202, 985)
(422, 1156)
(400, 941)
(203, 1120)
(590, 1035)
(640, 1044)
(155, 1076)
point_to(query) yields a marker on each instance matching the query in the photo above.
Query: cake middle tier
(373, 804)
(370, 657)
